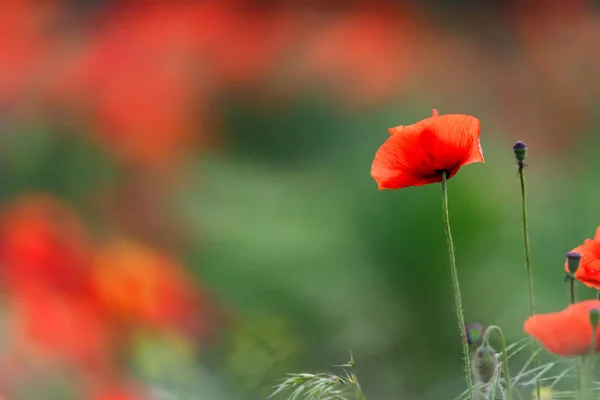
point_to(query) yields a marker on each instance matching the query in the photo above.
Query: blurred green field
(260, 192)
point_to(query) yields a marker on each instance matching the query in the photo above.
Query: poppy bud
(573, 259)
(520, 150)
(484, 363)
(474, 333)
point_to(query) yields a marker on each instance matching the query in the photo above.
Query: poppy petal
(567, 332)
(476, 155)
(562, 335)
(395, 129)
(589, 270)
(453, 139)
(393, 165)
(416, 154)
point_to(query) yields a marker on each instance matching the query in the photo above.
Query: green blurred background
(235, 138)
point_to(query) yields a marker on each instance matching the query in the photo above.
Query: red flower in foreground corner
(588, 272)
(567, 332)
(416, 154)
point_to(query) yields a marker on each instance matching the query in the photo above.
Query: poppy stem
(572, 289)
(597, 294)
(578, 360)
(588, 359)
(536, 361)
(578, 366)
(586, 386)
(456, 286)
(505, 371)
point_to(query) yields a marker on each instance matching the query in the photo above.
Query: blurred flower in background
(77, 303)
(184, 205)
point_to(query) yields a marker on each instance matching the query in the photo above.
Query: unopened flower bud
(520, 150)
(474, 333)
(484, 363)
(573, 259)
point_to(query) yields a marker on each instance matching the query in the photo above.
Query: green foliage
(258, 350)
(42, 157)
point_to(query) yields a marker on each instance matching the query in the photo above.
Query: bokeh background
(186, 205)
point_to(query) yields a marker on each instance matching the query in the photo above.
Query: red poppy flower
(42, 241)
(416, 154)
(139, 285)
(567, 332)
(56, 326)
(588, 272)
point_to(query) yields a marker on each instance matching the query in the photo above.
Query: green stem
(578, 360)
(587, 362)
(495, 383)
(536, 361)
(456, 286)
(597, 294)
(488, 332)
(579, 380)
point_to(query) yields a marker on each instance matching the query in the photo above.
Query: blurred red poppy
(588, 272)
(43, 242)
(139, 72)
(138, 285)
(25, 42)
(416, 154)
(567, 332)
(52, 325)
(340, 51)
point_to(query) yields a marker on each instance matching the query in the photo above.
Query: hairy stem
(536, 361)
(456, 286)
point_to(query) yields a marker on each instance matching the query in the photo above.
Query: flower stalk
(589, 360)
(578, 360)
(456, 286)
(573, 260)
(520, 150)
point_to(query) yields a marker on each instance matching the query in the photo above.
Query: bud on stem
(573, 259)
(520, 150)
